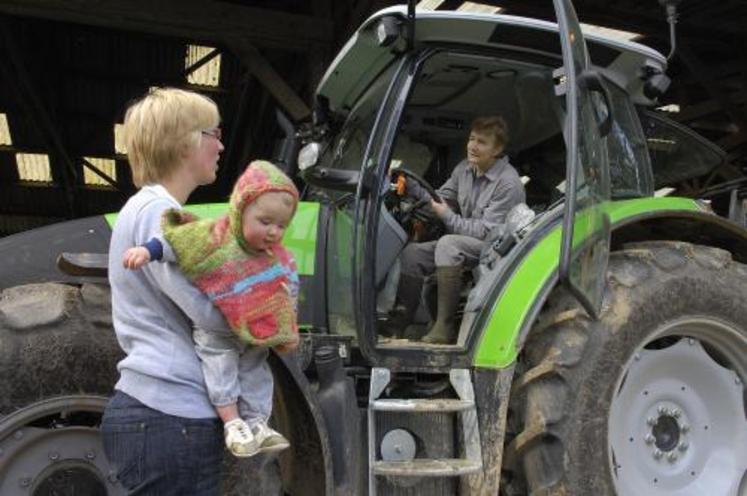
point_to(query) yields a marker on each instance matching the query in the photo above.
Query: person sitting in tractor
(475, 200)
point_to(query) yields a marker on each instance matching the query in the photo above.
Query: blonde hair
(161, 126)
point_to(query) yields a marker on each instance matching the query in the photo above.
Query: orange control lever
(401, 185)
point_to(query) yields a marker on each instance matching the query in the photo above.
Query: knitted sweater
(255, 291)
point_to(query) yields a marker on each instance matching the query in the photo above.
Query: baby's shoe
(269, 440)
(239, 439)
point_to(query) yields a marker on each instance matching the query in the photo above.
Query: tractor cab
(602, 340)
(399, 110)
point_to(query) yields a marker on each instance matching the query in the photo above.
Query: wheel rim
(677, 422)
(54, 447)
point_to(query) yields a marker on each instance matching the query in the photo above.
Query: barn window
(34, 167)
(105, 165)
(429, 4)
(202, 65)
(479, 8)
(5, 138)
(615, 34)
(119, 140)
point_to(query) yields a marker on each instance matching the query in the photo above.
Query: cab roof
(362, 59)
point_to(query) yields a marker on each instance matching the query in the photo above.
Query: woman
(160, 430)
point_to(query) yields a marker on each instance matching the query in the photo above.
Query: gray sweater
(481, 201)
(153, 309)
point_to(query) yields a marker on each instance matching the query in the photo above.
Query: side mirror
(286, 148)
(324, 177)
(655, 86)
(337, 179)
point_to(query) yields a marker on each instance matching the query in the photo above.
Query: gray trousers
(421, 259)
(235, 372)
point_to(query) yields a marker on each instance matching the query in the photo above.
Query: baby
(237, 261)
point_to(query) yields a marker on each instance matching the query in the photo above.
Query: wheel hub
(43, 450)
(666, 433)
(675, 426)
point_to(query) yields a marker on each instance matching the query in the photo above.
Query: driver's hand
(441, 209)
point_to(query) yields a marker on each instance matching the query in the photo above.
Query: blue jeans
(157, 454)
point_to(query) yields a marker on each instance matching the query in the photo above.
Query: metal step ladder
(464, 407)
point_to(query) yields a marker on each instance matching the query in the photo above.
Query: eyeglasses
(215, 133)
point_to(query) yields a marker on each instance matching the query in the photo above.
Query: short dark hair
(493, 125)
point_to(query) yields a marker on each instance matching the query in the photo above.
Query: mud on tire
(643, 400)
(58, 358)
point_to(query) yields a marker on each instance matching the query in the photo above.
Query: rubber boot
(449, 280)
(407, 303)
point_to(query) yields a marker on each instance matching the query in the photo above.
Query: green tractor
(602, 344)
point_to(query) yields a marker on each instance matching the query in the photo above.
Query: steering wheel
(412, 212)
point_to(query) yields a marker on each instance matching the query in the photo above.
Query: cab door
(586, 228)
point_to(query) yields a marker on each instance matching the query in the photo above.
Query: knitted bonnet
(255, 291)
(259, 177)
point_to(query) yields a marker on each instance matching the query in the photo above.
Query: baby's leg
(219, 354)
(255, 402)
(256, 383)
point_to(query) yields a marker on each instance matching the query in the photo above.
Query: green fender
(498, 345)
(299, 238)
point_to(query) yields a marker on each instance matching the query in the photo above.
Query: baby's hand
(287, 347)
(134, 258)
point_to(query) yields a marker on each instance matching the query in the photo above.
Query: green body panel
(300, 237)
(498, 345)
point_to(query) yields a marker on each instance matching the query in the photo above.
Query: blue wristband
(155, 249)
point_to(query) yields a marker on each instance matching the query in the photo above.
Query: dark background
(69, 68)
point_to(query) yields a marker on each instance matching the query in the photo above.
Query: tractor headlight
(309, 155)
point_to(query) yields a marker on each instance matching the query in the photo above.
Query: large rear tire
(57, 368)
(650, 399)
(58, 357)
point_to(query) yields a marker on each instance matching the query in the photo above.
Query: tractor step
(420, 405)
(424, 467)
(463, 406)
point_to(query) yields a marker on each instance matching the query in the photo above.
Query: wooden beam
(190, 19)
(18, 77)
(260, 68)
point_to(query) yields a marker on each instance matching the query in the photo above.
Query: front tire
(649, 399)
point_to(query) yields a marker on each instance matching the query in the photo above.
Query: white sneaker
(268, 439)
(239, 439)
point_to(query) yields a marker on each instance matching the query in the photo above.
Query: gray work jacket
(479, 202)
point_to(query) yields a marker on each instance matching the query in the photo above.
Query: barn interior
(69, 69)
